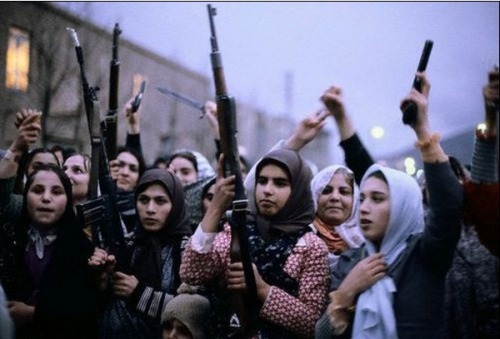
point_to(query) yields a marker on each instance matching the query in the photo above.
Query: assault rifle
(100, 212)
(110, 122)
(183, 99)
(244, 303)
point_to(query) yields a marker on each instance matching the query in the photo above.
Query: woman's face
(272, 190)
(174, 329)
(128, 171)
(41, 158)
(154, 206)
(207, 198)
(79, 176)
(374, 210)
(46, 199)
(184, 170)
(336, 201)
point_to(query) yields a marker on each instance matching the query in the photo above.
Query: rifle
(110, 121)
(410, 108)
(244, 303)
(183, 99)
(100, 212)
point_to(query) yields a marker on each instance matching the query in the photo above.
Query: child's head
(185, 317)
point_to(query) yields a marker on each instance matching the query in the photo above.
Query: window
(18, 60)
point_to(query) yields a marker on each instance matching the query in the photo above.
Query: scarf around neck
(147, 264)
(374, 317)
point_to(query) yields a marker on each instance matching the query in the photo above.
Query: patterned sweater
(307, 264)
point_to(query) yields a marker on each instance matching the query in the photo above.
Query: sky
(281, 56)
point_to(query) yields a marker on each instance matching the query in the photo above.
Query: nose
(268, 188)
(334, 195)
(124, 170)
(363, 207)
(151, 207)
(46, 196)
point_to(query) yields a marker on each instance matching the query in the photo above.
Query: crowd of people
(354, 250)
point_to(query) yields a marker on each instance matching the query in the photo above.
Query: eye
(281, 182)
(134, 168)
(262, 180)
(37, 189)
(209, 196)
(58, 190)
(345, 191)
(162, 200)
(327, 190)
(143, 199)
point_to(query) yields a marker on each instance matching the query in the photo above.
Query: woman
(290, 261)
(126, 169)
(51, 292)
(335, 196)
(194, 171)
(393, 286)
(142, 287)
(77, 168)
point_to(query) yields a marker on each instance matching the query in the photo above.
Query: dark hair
(186, 155)
(137, 154)
(159, 160)
(269, 161)
(27, 158)
(57, 148)
(24, 164)
(379, 175)
(60, 173)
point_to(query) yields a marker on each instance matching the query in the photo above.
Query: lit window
(18, 59)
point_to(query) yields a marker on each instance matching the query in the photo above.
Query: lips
(45, 210)
(266, 203)
(364, 223)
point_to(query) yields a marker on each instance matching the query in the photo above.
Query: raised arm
(356, 155)
(442, 230)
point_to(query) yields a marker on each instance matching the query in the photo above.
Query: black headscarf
(147, 265)
(298, 211)
(67, 297)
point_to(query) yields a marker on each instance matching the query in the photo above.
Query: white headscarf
(374, 316)
(349, 230)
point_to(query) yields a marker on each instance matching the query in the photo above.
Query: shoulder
(312, 242)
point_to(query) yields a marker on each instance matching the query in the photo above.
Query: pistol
(410, 108)
(138, 97)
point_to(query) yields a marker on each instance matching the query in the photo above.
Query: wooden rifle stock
(245, 304)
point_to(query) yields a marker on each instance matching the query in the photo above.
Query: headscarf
(147, 265)
(203, 166)
(194, 193)
(349, 229)
(374, 316)
(298, 211)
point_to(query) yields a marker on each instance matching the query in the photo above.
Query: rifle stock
(244, 303)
